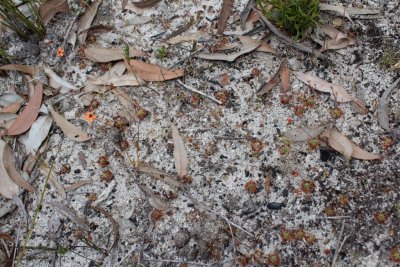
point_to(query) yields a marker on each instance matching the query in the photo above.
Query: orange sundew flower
(90, 117)
(60, 51)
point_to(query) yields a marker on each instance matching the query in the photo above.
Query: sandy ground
(216, 221)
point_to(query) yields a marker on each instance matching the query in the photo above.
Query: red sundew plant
(156, 215)
(310, 238)
(314, 143)
(256, 146)
(274, 259)
(286, 235)
(251, 187)
(381, 217)
(299, 234)
(103, 161)
(387, 142)
(307, 186)
(395, 255)
(107, 176)
(336, 113)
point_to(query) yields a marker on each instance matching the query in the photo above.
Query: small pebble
(275, 205)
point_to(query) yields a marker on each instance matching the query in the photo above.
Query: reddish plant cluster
(298, 234)
(251, 187)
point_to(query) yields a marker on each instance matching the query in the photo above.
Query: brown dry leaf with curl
(49, 9)
(70, 130)
(344, 146)
(180, 154)
(224, 15)
(154, 73)
(284, 74)
(102, 55)
(28, 116)
(338, 39)
(86, 21)
(146, 3)
(8, 188)
(302, 134)
(160, 175)
(337, 92)
(9, 165)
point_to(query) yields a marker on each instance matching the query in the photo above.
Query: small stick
(287, 39)
(340, 246)
(175, 261)
(198, 92)
(333, 218)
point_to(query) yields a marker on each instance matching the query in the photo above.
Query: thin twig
(176, 261)
(286, 38)
(333, 218)
(340, 246)
(198, 92)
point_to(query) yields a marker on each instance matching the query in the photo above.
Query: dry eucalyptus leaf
(343, 145)
(146, 3)
(86, 21)
(131, 7)
(337, 92)
(128, 79)
(76, 185)
(70, 130)
(160, 175)
(6, 120)
(25, 120)
(383, 112)
(188, 38)
(9, 165)
(224, 15)
(338, 39)
(154, 200)
(153, 73)
(8, 188)
(59, 83)
(348, 11)
(36, 135)
(101, 54)
(284, 74)
(70, 214)
(264, 47)
(248, 45)
(49, 9)
(180, 154)
(8, 99)
(244, 16)
(340, 143)
(22, 68)
(302, 134)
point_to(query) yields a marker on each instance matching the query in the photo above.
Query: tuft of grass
(294, 16)
(15, 20)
